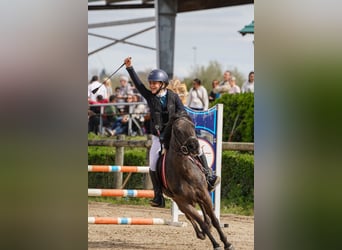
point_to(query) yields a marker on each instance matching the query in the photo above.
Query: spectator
(110, 112)
(223, 87)
(182, 92)
(180, 89)
(248, 86)
(138, 114)
(213, 96)
(94, 83)
(125, 90)
(93, 122)
(198, 96)
(117, 91)
(101, 99)
(108, 84)
(120, 126)
(119, 98)
(94, 114)
(96, 109)
(133, 88)
(129, 109)
(125, 87)
(234, 89)
(139, 110)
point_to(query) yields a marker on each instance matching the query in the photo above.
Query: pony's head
(180, 134)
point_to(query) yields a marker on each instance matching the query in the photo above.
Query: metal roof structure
(166, 11)
(182, 5)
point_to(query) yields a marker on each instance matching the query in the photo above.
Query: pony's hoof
(201, 236)
(218, 248)
(229, 248)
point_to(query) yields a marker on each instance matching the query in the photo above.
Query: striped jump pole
(126, 221)
(123, 169)
(121, 193)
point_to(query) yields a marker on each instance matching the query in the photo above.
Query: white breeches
(154, 152)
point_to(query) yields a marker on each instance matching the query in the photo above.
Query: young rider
(163, 103)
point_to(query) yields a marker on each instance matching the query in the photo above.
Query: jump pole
(121, 193)
(123, 169)
(127, 221)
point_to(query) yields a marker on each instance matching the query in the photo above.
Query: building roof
(183, 5)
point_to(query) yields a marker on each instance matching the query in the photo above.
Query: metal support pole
(166, 11)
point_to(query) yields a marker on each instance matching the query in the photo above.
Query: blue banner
(206, 128)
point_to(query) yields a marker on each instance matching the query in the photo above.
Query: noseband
(183, 148)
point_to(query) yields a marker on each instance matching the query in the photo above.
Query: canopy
(248, 29)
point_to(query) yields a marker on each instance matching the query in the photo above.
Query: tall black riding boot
(212, 179)
(158, 200)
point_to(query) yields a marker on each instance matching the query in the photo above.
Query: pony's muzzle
(193, 146)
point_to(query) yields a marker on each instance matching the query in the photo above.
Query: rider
(163, 103)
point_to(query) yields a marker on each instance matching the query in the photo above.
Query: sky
(200, 37)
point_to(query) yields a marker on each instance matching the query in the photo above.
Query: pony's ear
(182, 113)
(185, 114)
(179, 114)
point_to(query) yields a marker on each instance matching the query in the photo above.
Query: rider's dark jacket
(160, 114)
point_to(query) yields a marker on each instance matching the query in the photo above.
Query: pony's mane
(168, 128)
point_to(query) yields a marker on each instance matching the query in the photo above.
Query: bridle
(183, 148)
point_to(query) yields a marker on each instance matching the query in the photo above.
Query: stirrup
(212, 186)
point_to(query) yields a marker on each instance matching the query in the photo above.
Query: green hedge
(237, 173)
(237, 178)
(239, 107)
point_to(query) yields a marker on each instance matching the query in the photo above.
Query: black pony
(183, 180)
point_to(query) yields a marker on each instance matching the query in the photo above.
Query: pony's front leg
(191, 212)
(208, 211)
(206, 217)
(199, 233)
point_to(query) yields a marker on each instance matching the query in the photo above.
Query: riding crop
(95, 90)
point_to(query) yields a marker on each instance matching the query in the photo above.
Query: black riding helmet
(158, 75)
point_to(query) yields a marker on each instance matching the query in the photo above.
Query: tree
(240, 79)
(206, 74)
(214, 71)
(238, 117)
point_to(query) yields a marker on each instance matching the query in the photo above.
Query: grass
(239, 210)
(92, 136)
